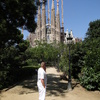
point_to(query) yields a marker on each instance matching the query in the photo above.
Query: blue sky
(77, 15)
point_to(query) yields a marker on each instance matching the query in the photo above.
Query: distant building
(78, 40)
(46, 31)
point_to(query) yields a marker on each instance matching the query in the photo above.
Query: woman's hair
(42, 64)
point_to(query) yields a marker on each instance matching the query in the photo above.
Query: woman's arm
(42, 80)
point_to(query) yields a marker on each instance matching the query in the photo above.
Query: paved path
(56, 90)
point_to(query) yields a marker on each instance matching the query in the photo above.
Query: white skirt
(42, 90)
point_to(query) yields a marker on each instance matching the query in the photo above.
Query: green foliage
(93, 30)
(3, 77)
(85, 58)
(14, 14)
(77, 59)
(64, 58)
(90, 79)
(43, 52)
(13, 56)
(18, 13)
(90, 74)
(12, 76)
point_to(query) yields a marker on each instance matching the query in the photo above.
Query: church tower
(53, 33)
(58, 33)
(38, 30)
(48, 32)
(43, 37)
(62, 27)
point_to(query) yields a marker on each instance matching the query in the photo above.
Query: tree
(15, 14)
(93, 30)
(90, 78)
(42, 52)
(77, 59)
(18, 13)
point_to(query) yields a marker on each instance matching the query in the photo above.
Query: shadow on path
(29, 84)
(56, 86)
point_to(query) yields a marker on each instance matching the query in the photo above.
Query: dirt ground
(56, 89)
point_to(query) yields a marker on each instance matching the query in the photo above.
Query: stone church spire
(48, 14)
(53, 35)
(38, 30)
(58, 36)
(62, 13)
(57, 6)
(39, 16)
(53, 4)
(43, 22)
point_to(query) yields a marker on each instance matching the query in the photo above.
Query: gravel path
(56, 90)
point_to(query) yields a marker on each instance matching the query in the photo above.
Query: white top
(42, 75)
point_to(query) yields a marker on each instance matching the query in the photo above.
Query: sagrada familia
(46, 31)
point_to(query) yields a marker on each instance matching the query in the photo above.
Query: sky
(77, 15)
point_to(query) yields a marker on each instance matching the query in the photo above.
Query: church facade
(49, 31)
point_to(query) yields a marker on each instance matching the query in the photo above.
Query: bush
(12, 76)
(3, 78)
(31, 62)
(90, 79)
(90, 71)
